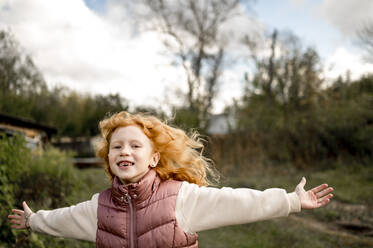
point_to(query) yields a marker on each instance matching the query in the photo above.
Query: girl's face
(131, 154)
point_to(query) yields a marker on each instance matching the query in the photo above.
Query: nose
(125, 150)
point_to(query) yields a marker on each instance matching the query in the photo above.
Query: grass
(277, 233)
(93, 180)
(351, 184)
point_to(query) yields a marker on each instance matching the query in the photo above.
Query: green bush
(336, 126)
(44, 178)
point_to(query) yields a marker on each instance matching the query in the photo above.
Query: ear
(155, 159)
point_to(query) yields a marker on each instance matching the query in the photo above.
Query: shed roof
(23, 122)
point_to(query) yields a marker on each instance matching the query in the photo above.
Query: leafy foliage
(337, 124)
(45, 179)
(24, 93)
(288, 116)
(365, 36)
(186, 118)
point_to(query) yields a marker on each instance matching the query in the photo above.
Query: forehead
(131, 132)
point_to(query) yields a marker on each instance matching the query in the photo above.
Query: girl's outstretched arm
(76, 221)
(20, 219)
(203, 208)
(313, 198)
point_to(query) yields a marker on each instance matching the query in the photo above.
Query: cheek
(111, 157)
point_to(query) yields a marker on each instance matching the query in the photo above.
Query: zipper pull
(128, 198)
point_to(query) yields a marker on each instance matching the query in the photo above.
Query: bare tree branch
(195, 28)
(365, 36)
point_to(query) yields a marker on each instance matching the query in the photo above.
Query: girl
(159, 196)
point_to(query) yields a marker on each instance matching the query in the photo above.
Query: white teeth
(125, 163)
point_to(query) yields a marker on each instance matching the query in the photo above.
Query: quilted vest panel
(141, 215)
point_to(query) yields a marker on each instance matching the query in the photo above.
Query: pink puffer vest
(141, 215)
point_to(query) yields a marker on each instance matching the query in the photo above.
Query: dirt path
(329, 229)
(356, 225)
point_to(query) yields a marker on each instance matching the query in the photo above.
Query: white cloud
(74, 46)
(298, 3)
(347, 15)
(343, 61)
(231, 34)
(102, 53)
(232, 89)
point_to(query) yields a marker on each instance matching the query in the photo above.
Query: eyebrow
(132, 140)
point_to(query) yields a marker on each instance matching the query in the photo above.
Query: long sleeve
(202, 208)
(77, 221)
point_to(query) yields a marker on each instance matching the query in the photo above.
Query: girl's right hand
(21, 219)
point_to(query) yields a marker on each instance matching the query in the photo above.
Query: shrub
(337, 126)
(44, 178)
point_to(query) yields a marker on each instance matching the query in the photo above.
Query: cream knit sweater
(197, 209)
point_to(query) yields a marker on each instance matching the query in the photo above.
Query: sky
(90, 45)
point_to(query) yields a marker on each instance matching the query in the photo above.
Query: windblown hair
(181, 155)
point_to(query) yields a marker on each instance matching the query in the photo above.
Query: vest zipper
(132, 245)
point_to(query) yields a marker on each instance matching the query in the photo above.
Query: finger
(323, 203)
(17, 211)
(328, 196)
(302, 182)
(319, 188)
(324, 200)
(26, 207)
(14, 216)
(17, 227)
(13, 221)
(324, 192)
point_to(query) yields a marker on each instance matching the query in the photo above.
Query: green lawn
(278, 233)
(351, 185)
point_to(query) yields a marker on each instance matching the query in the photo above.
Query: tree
(77, 115)
(278, 110)
(19, 77)
(365, 35)
(24, 93)
(193, 32)
(17, 69)
(289, 74)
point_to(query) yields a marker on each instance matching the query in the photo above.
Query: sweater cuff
(30, 221)
(294, 203)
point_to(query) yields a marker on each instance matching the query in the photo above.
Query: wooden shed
(35, 134)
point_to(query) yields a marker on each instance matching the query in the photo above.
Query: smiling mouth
(124, 164)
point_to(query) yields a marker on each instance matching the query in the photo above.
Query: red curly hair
(180, 154)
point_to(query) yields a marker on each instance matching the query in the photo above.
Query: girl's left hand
(20, 219)
(313, 198)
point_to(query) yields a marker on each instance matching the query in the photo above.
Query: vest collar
(138, 192)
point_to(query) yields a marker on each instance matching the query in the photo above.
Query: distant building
(220, 124)
(35, 134)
